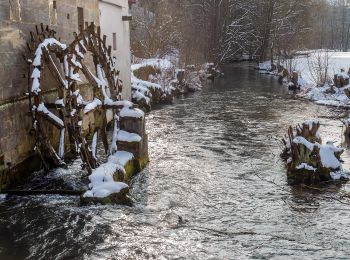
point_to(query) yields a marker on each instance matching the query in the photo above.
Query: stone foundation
(138, 149)
(18, 18)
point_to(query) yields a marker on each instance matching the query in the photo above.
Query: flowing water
(215, 189)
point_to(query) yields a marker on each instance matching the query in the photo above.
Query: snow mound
(162, 64)
(128, 137)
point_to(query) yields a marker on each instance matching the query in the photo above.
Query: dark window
(54, 5)
(114, 41)
(80, 18)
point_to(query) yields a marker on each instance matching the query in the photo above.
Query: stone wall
(17, 19)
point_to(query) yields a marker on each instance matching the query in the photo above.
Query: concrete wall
(111, 12)
(17, 19)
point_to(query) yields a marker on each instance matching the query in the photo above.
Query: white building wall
(111, 12)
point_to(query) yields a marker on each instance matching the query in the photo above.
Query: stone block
(133, 125)
(138, 149)
(4, 11)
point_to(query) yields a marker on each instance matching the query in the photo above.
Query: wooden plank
(43, 192)
(52, 121)
(54, 70)
(88, 75)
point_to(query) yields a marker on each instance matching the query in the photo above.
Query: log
(43, 192)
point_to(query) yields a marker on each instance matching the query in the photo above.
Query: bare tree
(318, 63)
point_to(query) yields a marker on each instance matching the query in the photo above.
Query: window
(80, 18)
(15, 10)
(53, 13)
(114, 41)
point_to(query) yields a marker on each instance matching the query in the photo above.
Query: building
(114, 22)
(17, 20)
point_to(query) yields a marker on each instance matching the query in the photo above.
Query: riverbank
(310, 67)
(158, 81)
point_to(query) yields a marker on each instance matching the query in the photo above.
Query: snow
(94, 145)
(265, 66)
(135, 112)
(36, 73)
(143, 90)
(128, 137)
(164, 79)
(46, 43)
(138, 96)
(145, 84)
(75, 62)
(80, 100)
(59, 102)
(316, 94)
(306, 167)
(36, 86)
(78, 52)
(66, 66)
(162, 64)
(116, 129)
(74, 76)
(339, 175)
(92, 105)
(321, 95)
(328, 158)
(310, 123)
(74, 111)
(104, 189)
(43, 109)
(76, 93)
(61, 146)
(102, 183)
(343, 74)
(121, 158)
(121, 103)
(124, 103)
(327, 152)
(302, 140)
(306, 65)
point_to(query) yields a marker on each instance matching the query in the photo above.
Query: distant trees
(280, 25)
(155, 29)
(330, 25)
(222, 30)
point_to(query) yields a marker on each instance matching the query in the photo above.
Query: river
(215, 188)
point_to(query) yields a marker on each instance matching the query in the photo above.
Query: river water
(215, 189)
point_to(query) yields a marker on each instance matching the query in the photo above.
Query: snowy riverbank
(310, 66)
(157, 81)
